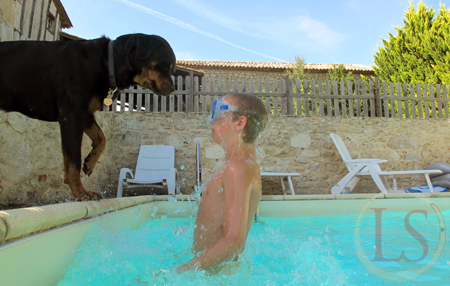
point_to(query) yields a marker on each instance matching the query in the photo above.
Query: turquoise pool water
(304, 250)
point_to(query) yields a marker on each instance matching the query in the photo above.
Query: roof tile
(265, 65)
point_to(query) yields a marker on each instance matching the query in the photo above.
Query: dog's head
(151, 60)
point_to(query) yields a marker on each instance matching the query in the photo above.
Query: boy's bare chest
(214, 185)
(210, 215)
(213, 196)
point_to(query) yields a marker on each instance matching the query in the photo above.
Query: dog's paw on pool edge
(89, 196)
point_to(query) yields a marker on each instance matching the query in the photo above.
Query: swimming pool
(301, 241)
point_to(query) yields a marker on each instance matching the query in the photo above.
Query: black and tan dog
(68, 81)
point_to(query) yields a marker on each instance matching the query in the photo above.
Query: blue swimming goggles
(219, 108)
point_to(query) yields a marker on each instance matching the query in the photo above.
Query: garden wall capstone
(31, 163)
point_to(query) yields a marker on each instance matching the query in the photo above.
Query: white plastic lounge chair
(282, 175)
(368, 167)
(154, 168)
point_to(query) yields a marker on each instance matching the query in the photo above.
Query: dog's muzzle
(166, 87)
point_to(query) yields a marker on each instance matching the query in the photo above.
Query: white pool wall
(38, 244)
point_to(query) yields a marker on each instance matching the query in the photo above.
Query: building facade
(39, 20)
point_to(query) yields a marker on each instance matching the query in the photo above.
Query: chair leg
(120, 188)
(171, 188)
(376, 178)
(172, 181)
(122, 178)
(120, 183)
(282, 186)
(430, 185)
(386, 184)
(291, 185)
(339, 187)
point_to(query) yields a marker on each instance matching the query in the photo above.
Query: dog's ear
(146, 44)
(142, 45)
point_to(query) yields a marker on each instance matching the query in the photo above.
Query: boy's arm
(237, 182)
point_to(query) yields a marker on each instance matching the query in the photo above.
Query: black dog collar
(112, 76)
(113, 89)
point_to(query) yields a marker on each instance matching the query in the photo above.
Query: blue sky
(335, 32)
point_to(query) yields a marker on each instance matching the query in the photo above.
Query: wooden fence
(288, 97)
(295, 98)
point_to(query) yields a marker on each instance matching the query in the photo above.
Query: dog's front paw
(86, 168)
(89, 196)
(95, 196)
(89, 163)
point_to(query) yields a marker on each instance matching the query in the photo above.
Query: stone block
(403, 142)
(304, 127)
(310, 153)
(215, 152)
(331, 167)
(413, 156)
(394, 156)
(301, 141)
(18, 121)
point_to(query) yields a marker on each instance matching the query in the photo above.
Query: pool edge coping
(17, 223)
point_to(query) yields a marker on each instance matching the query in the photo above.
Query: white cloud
(208, 12)
(186, 56)
(317, 31)
(190, 27)
(295, 31)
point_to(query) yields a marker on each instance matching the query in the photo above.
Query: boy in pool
(231, 195)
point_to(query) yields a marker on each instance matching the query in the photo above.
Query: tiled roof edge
(266, 65)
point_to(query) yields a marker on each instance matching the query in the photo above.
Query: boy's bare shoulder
(241, 166)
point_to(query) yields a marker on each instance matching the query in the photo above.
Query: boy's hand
(182, 268)
(161, 271)
(188, 266)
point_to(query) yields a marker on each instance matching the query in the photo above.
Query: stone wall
(31, 161)
(31, 168)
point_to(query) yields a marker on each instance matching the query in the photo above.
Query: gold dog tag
(107, 101)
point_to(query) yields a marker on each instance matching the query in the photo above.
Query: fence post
(377, 99)
(190, 102)
(289, 102)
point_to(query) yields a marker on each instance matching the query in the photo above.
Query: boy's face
(222, 124)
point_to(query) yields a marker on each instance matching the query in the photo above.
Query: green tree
(338, 73)
(298, 70)
(420, 53)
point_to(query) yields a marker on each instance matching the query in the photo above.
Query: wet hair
(253, 108)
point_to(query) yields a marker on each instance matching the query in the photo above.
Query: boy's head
(253, 109)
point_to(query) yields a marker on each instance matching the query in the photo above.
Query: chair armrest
(174, 174)
(123, 180)
(374, 161)
(124, 172)
(173, 183)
